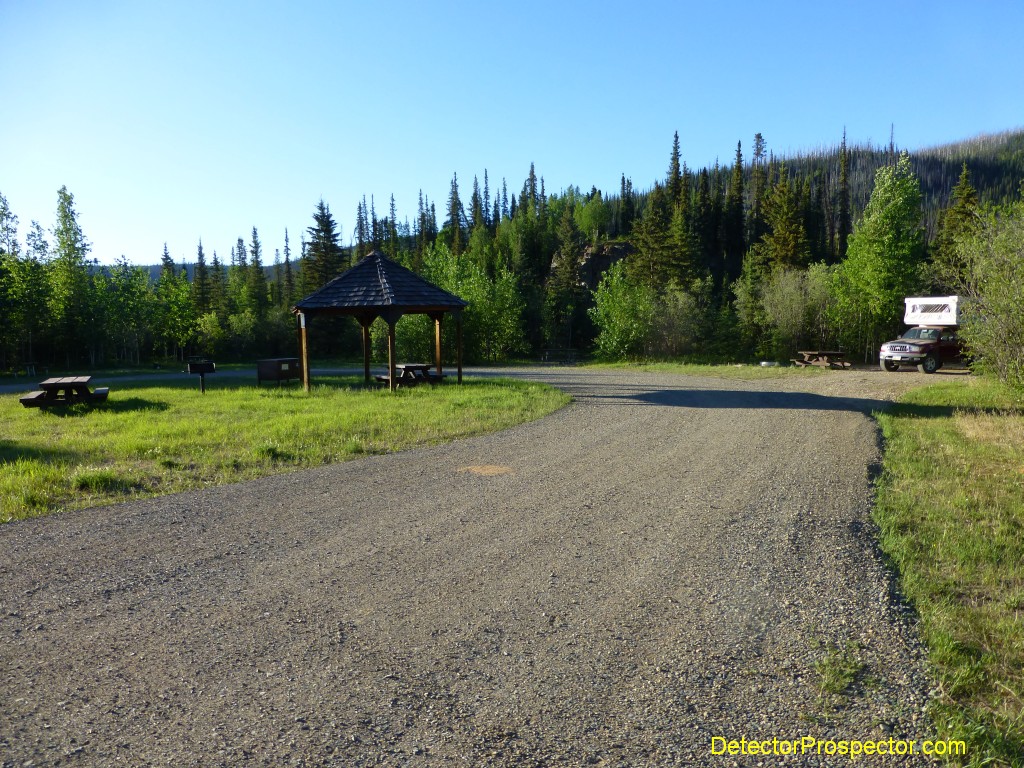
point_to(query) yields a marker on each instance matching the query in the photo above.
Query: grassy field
(951, 512)
(151, 439)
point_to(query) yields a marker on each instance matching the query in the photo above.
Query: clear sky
(197, 119)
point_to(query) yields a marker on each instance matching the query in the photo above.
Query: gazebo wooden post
(304, 350)
(458, 343)
(365, 323)
(392, 384)
(437, 342)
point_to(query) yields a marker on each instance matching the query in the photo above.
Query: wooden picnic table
(64, 390)
(822, 358)
(411, 374)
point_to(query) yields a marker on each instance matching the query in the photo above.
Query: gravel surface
(666, 560)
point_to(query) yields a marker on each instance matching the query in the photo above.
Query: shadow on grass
(11, 451)
(917, 411)
(112, 405)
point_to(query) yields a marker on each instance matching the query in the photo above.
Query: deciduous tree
(883, 265)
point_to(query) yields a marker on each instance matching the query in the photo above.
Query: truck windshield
(925, 334)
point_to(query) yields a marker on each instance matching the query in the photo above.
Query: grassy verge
(151, 439)
(951, 512)
(720, 371)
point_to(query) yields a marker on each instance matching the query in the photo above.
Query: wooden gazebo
(378, 287)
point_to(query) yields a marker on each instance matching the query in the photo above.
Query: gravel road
(664, 561)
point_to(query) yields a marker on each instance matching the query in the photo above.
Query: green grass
(156, 438)
(950, 509)
(837, 669)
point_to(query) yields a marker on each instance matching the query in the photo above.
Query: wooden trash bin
(278, 369)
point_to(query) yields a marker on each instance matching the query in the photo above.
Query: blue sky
(179, 121)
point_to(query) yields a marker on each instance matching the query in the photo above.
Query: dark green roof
(377, 284)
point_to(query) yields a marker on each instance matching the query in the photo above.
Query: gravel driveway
(661, 562)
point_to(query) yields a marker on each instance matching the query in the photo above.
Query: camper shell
(931, 341)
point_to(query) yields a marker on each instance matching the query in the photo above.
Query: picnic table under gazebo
(379, 287)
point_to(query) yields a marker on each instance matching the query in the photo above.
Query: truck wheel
(890, 366)
(929, 365)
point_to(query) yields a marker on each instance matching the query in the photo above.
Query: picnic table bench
(411, 374)
(64, 390)
(563, 356)
(822, 358)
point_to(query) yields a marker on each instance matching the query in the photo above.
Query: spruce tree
(391, 232)
(241, 257)
(758, 185)
(375, 228)
(218, 288)
(323, 258)
(704, 225)
(288, 294)
(363, 233)
(733, 223)
(960, 219)
(651, 265)
(785, 243)
(166, 263)
(455, 217)
(686, 266)
(476, 206)
(674, 182)
(845, 225)
(421, 230)
(256, 279)
(201, 282)
(627, 207)
(277, 286)
(487, 202)
(564, 295)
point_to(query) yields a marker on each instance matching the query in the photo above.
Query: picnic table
(411, 374)
(64, 390)
(822, 358)
(564, 356)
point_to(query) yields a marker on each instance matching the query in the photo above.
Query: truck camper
(931, 341)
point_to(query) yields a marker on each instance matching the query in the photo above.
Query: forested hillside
(735, 261)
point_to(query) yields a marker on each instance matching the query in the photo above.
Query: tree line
(743, 261)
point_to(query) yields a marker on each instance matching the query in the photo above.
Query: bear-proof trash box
(278, 369)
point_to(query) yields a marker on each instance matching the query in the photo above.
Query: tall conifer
(845, 225)
(288, 294)
(758, 185)
(323, 256)
(733, 223)
(674, 182)
(455, 216)
(201, 282)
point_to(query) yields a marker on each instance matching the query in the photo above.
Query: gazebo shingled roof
(377, 284)
(378, 287)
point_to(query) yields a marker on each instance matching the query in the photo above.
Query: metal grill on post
(202, 367)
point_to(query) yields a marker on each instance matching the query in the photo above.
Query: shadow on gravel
(714, 398)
